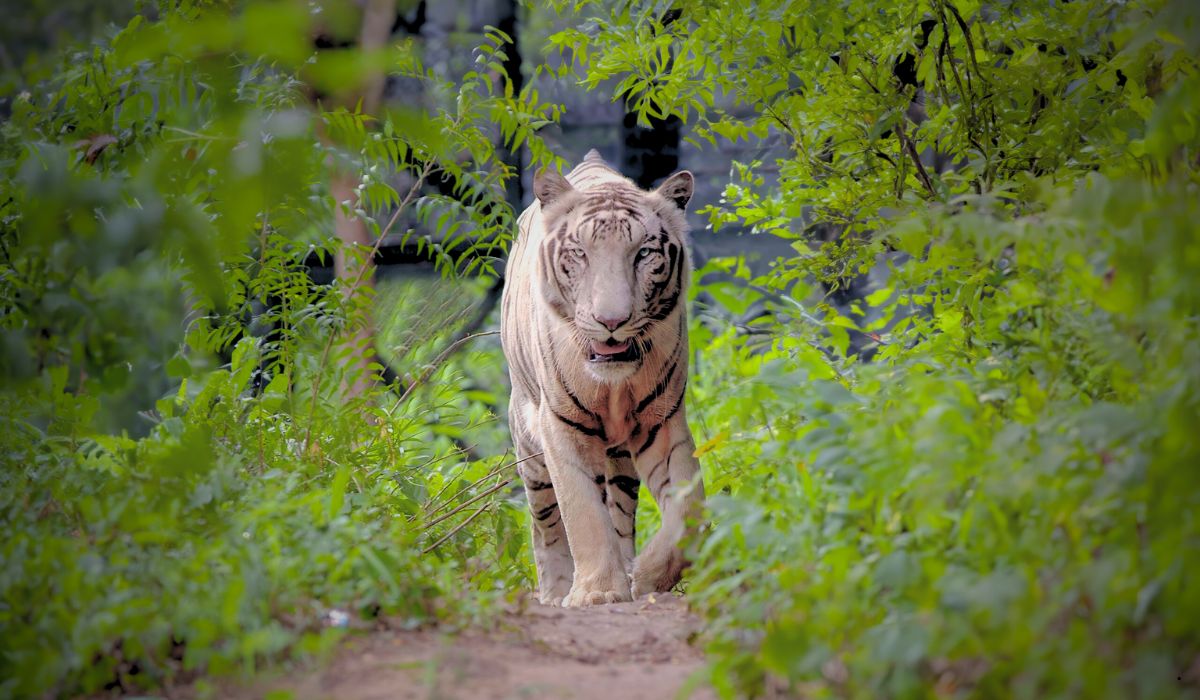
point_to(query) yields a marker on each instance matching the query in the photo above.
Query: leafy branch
(426, 170)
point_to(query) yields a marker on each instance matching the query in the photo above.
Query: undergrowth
(190, 484)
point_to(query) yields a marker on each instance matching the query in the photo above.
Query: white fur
(592, 564)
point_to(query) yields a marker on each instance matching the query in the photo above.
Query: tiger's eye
(644, 253)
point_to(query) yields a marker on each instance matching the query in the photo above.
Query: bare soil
(609, 652)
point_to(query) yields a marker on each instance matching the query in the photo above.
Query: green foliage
(1002, 501)
(187, 485)
(211, 544)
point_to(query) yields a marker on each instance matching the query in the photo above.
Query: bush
(188, 484)
(1000, 503)
(978, 477)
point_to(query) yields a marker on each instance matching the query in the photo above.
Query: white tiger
(594, 326)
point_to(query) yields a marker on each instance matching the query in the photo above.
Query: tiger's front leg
(550, 552)
(672, 474)
(620, 493)
(595, 547)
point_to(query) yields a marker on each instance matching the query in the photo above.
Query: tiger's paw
(610, 589)
(657, 570)
(551, 599)
(585, 598)
(553, 592)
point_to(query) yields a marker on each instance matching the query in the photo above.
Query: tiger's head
(614, 266)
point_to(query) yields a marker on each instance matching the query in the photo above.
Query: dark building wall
(449, 30)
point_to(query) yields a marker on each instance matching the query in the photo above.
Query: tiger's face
(614, 266)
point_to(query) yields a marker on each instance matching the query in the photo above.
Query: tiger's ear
(678, 188)
(549, 186)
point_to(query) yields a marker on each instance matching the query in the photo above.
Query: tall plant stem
(354, 285)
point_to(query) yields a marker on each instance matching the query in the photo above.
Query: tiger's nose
(612, 323)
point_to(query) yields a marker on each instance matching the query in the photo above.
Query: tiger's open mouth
(612, 350)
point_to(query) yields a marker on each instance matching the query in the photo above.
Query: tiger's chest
(618, 417)
(607, 414)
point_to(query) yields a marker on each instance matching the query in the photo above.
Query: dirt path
(612, 652)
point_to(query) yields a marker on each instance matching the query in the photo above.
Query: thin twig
(911, 149)
(438, 458)
(488, 492)
(450, 481)
(454, 530)
(391, 377)
(437, 362)
(462, 507)
(262, 262)
(906, 143)
(966, 94)
(966, 30)
(195, 136)
(974, 67)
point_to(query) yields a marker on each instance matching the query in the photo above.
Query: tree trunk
(356, 272)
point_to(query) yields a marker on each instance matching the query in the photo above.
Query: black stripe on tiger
(612, 197)
(546, 512)
(668, 302)
(658, 388)
(616, 453)
(624, 210)
(670, 454)
(654, 431)
(597, 432)
(562, 384)
(534, 485)
(675, 408)
(548, 254)
(575, 399)
(658, 289)
(649, 439)
(654, 470)
(665, 461)
(627, 484)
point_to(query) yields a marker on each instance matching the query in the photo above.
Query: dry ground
(612, 652)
